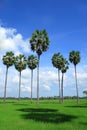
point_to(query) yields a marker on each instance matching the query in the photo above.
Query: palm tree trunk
(19, 85)
(31, 83)
(62, 86)
(5, 85)
(38, 80)
(59, 86)
(76, 85)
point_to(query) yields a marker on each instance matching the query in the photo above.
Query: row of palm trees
(62, 65)
(20, 63)
(39, 43)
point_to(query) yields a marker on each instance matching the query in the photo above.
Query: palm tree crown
(32, 62)
(39, 41)
(20, 62)
(65, 65)
(8, 59)
(74, 57)
(57, 60)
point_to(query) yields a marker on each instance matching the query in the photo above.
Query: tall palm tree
(63, 70)
(74, 57)
(39, 42)
(32, 64)
(8, 60)
(57, 62)
(20, 64)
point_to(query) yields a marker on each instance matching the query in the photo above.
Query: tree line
(39, 43)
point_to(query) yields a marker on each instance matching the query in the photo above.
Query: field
(50, 115)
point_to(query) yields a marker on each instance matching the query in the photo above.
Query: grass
(49, 115)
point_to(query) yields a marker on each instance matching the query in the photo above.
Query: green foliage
(60, 62)
(74, 57)
(20, 62)
(32, 62)
(39, 41)
(8, 59)
(57, 60)
(65, 65)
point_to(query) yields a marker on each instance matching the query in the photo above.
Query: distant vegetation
(45, 98)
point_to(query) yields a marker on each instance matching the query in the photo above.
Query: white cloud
(85, 89)
(46, 88)
(1, 70)
(47, 75)
(25, 88)
(10, 40)
(15, 79)
(48, 79)
(82, 76)
(26, 73)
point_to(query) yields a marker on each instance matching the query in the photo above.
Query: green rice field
(49, 115)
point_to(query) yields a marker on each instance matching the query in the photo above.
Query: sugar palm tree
(20, 64)
(8, 60)
(39, 42)
(32, 64)
(64, 69)
(57, 62)
(74, 57)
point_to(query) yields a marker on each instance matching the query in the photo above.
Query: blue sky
(66, 24)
